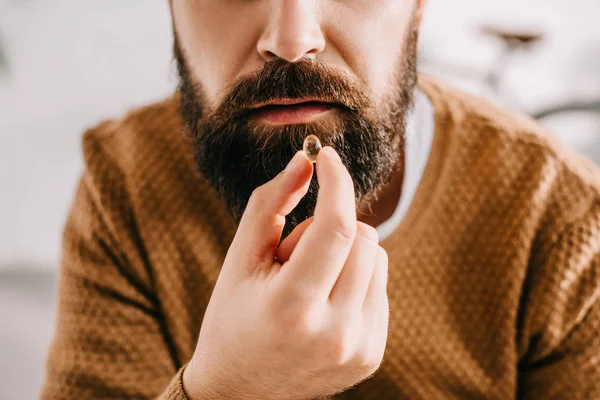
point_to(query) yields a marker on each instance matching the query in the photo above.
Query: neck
(387, 200)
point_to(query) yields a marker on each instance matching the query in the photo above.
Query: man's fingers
(287, 246)
(352, 284)
(376, 297)
(262, 223)
(321, 253)
(376, 308)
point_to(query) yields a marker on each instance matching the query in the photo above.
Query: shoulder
(142, 165)
(140, 135)
(146, 145)
(512, 155)
(525, 188)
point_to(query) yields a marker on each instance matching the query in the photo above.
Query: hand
(304, 320)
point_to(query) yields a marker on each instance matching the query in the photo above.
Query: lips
(286, 112)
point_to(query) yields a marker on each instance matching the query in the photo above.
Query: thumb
(261, 225)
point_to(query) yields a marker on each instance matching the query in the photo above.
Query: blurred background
(65, 65)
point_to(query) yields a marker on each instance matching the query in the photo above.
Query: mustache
(306, 79)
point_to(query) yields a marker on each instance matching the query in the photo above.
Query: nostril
(269, 55)
(290, 46)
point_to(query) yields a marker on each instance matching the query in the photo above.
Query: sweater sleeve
(110, 341)
(561, 316)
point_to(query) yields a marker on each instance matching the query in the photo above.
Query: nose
(293, 31)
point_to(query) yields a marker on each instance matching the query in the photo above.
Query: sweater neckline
(428, 186)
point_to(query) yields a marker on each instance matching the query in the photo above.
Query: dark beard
(237, 155)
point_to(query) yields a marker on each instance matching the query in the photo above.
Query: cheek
(370, 37)
(386, 59)
(217, 39)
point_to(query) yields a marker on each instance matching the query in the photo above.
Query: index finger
(321, 252)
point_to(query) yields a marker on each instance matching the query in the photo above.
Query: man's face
(257, 76)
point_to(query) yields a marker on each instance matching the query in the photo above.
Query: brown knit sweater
(494, 275)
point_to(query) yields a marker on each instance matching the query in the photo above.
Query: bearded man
(440, 248)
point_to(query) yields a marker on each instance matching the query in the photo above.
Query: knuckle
(297, 319)
(367, 231)
(339, 345)
(344, 229)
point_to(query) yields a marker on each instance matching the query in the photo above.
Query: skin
(362, 37)
(309, 318)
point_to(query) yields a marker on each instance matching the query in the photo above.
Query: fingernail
(293, 162)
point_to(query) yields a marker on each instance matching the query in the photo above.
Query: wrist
(195, 387)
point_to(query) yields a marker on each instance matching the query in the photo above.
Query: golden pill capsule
(312, 146)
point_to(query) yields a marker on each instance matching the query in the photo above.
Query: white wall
(566, 64)
(75, 62)
(72, 63)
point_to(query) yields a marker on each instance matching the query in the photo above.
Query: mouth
(289, 112)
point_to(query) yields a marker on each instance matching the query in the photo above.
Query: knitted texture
(494, 275)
